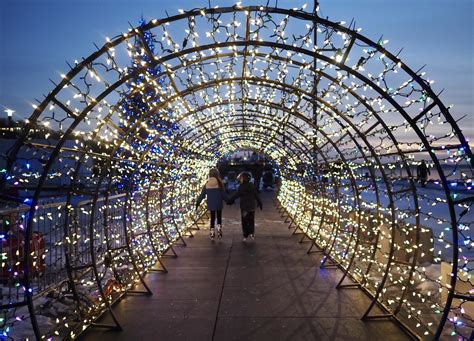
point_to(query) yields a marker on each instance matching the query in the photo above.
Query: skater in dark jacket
(248, 203)
(215, 192)
(422, 171)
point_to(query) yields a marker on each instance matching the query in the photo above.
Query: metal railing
(79, 266)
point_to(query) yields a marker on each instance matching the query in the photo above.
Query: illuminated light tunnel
(130, 132)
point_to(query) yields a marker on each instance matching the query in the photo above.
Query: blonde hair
(214, 173)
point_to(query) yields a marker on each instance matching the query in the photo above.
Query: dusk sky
(38, 36)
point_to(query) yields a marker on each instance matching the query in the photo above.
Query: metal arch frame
(297, 130)
(414, 257)
(227, 81)
(419, 133)
(353, 185)
(126, 231)
(293, 13)
(300, 132)
(294, 88)
(388, 188)
(300, 90)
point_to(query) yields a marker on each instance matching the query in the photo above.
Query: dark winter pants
(213, 218)
(248, 222)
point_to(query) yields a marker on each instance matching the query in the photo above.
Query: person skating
(249, 199)
(215, 193)
(268, 179)
(422, 171)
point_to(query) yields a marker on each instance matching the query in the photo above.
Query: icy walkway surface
(267, 289)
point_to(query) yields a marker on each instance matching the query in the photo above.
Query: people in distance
(422, 172)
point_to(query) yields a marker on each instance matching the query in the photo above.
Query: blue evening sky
(38, 36)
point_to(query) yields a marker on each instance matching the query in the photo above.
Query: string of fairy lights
(129, 133)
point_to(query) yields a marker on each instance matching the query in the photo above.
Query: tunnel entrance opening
(127, 136)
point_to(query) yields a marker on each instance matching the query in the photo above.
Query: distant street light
(9, 112)
(10, 116)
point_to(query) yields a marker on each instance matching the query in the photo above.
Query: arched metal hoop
(121, 145)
